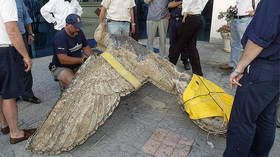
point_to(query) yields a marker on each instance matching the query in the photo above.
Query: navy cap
(74, 20)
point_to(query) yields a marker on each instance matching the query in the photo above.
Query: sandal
(26, 135)
(5, 130)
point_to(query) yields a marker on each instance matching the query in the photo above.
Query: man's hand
(133, 28)
(235, 76)
(27, 63)
(251, 13)
(30, 39)
(179, 6)
(184, 18)
(54, 23)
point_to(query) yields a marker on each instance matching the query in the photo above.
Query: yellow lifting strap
(203, 99)
(121, 70)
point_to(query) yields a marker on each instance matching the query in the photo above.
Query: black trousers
(174, 35)
(190, 30)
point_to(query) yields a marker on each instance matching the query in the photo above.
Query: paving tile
(151, 146)
(165, 143)
(164, 151)
(181, 152)
(172, 139)
(186, 141)
(159, 134)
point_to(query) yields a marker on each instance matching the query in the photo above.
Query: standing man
(68, 46)
(175, 24)
(56, 11)
(120, 16)
(24, 21)
(157, 20)
(192, 23)
(245, 12)
(11, 71)
(252, 124)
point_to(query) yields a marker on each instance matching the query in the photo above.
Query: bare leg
(3, 120)
(11, 114)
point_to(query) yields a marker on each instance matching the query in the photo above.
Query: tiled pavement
(135, 121)
(163, 143)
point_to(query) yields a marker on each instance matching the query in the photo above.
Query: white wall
(218, 6)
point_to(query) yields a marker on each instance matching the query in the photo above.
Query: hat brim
(78, 25)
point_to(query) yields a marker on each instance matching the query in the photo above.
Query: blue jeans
(118, 28)
(238, 27)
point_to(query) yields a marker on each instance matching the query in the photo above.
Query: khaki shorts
(58, 70)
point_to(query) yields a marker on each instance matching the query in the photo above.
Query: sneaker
(33, 99)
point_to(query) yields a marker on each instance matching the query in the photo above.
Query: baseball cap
(75, 20)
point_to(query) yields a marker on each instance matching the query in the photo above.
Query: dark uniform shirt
(264, 29)
(175, 12)
(64, 44)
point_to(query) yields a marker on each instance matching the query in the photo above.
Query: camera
(232, 12)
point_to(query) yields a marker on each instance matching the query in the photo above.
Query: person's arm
(132, 21)
(174, 4)
(148, 1)
(78, 8)
(27, 23)
(185, 5)
(102, 14)
(17, 41)
(47, 10)
(30, 34)
(88, 51)
(68, 60)
(251, 51)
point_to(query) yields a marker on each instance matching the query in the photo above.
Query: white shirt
(8, 13)
(244, 6)
(193, 6)
(118, 10)
(60, 9)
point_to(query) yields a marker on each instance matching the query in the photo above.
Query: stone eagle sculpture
(96, 89)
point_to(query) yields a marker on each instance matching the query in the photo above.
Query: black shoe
(33, 99)
(187, 66)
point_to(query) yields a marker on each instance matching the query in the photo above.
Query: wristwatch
(32, 34)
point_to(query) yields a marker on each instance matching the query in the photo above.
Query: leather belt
(109, 20)
(5, 45)
(240, 17)
(194, 15)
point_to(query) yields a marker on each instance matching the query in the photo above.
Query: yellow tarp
(203, 99)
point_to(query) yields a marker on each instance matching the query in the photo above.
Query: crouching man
(70, 50)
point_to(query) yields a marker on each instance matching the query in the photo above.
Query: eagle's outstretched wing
(83, 107)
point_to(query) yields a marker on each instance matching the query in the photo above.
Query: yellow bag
(203, 99)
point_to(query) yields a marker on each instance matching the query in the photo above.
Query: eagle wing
(89, 100)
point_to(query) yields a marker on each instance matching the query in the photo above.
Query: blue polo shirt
(64, 44)
(175, 12)
(264, 29)
(23, 16)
